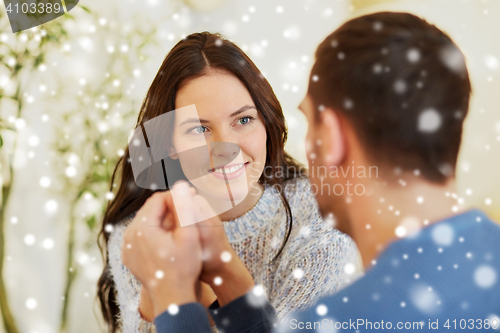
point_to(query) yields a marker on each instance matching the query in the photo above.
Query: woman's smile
(231, 171)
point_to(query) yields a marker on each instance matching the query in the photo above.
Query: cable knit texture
(311, 265)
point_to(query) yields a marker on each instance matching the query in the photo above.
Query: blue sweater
(445, 279)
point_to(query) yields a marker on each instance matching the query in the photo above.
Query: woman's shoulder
(116, 232)
(298, 189)
(122, 277)
(309, 228)
(297, 185)
(302, 200)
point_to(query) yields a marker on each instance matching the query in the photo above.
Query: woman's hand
(222, 268)
(205, 294)
(146, 306)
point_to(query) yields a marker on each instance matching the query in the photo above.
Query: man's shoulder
(451, 267)
(452, 238)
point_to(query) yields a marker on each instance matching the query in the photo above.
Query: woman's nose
(225, 150)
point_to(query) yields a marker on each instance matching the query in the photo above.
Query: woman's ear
(333, 147)
(172, 153)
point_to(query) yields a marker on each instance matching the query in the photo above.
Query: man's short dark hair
(403, 85)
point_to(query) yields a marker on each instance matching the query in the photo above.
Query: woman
(275, 227)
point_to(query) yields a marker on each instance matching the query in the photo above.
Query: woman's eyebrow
(193, 120)
(242, 109)
(203, 121)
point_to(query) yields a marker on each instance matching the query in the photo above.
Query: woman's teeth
(229, 170)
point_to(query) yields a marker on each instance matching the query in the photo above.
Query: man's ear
(172, 153)
(333, 147)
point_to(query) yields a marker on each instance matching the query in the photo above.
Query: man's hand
(166, 262)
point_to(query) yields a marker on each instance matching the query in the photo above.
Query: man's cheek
(309, 143)
(312, 147)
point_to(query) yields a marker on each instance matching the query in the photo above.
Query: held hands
(166, 261)
(222, 269)
(169, 260)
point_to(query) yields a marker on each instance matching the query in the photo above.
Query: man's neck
(388, 212)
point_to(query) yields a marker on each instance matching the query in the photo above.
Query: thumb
(187, 237)
(170, 220)
(204, 213)
(182, 198)
(210, 225)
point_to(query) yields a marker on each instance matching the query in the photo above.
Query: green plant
(88, 129)
(20, 53)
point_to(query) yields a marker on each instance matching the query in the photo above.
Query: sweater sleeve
(314, 265)
(128, 288)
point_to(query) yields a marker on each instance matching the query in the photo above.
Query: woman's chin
(221, 195)
(239, 196)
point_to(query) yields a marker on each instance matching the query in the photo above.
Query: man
(386, 101)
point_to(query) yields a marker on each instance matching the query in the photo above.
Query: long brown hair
(190, 58)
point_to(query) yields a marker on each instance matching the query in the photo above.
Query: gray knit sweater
(312, 264)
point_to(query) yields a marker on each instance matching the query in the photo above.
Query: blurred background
(70, 92)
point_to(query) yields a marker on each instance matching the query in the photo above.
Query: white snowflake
(225, 256)
(400, 86)
(48, 243)
(31, 303)
(453, 59)
(413, 55)
(491, 62)
(45, 182)
(321, 310)
(70, 171)
(33, 140)
(217, 280)
(348, 104)
(305, 230)
(429, 121)
(29, 239)
(349, 268)
(298, 273)
(377, 68)
(330, 220)
(292, 33)
(485, 276)
(173, 309)
(51, 206)
(257, 297)
(400, 231)
(443, 235)
(494, 321)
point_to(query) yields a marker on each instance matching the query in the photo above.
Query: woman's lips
(231, 171)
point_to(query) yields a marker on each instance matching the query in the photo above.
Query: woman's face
(221, 140)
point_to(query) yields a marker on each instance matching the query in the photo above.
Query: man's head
(387, 90)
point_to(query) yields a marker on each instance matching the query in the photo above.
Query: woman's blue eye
(199, 129)
(245, 120)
